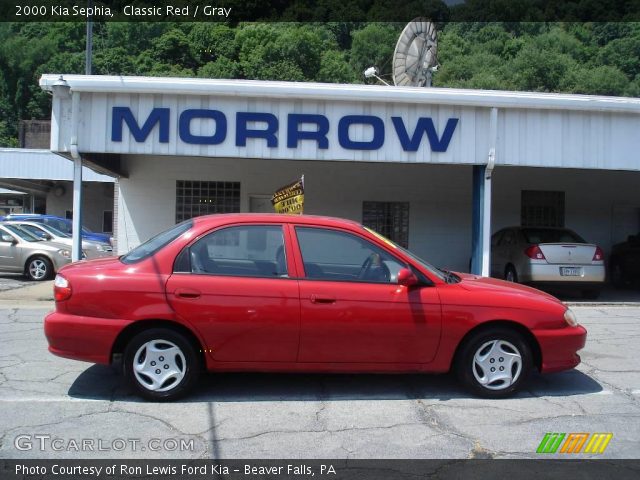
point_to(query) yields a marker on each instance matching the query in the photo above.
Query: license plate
(571, 271)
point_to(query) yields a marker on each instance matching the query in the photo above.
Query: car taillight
(534, 252)
(61, 288)
(599, 255)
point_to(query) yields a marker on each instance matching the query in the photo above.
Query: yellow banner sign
(290, 198)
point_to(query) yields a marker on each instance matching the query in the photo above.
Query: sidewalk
(37, 295)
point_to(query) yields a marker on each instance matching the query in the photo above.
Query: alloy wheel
(38, 269)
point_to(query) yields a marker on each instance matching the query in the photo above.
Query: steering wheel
(366, 266)
(369, 267)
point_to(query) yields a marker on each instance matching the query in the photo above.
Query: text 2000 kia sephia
(260, 292)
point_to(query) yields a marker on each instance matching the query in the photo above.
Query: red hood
(493, 285)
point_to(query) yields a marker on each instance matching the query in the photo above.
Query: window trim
(359, 236)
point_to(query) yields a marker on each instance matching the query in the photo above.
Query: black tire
(509, 339)
(510, 274)
(188, 364)
(38, 268)
(591, 294)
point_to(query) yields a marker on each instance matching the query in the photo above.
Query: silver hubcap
(159, 365)
(510, 276)
(38, 269)
(497, 364)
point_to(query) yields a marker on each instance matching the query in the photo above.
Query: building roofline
(342, 92)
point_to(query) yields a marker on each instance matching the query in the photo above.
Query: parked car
(267, 292)
(62, 224)
(548, 257)
(23, 252)
(90, 248)
(624, 263)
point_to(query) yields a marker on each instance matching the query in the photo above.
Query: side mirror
(407, 278)
(46, 236)
(8, 238)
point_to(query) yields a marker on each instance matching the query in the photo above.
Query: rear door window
(242, 251)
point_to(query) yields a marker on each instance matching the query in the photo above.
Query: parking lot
(84, 406)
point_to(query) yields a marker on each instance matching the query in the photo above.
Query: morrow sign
(266, 126)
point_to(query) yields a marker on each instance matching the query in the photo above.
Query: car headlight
(570, 318)
(65, 253)
(101, 247)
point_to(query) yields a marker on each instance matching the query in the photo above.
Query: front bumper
(88, 339)
(59, 261)
(559, 347)
(550, 273)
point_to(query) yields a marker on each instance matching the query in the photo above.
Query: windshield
(62, 225)
(156, 243)
(22, 233)
(57, 233)
(435, 271)
(551, 235)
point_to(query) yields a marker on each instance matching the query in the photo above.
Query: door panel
(368, 323)
(242, 319)
(237, 291)
(9, 257)
(365, 317)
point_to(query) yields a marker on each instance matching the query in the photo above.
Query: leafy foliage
(588, 58)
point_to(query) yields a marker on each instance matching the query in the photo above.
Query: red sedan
(256, 292)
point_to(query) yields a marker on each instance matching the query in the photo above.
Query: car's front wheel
(38, 268)
(493, 363)
(161, 364)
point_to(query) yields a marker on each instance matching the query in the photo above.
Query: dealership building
(438, 170)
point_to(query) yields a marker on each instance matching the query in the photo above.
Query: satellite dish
(415, 55)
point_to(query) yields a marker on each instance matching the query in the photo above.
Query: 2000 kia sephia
(260, 292)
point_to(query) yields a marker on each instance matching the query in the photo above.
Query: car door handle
(186, 293)
(318, 299)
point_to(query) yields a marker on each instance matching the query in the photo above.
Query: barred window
(390, 219)
(540, 208)
(194, 198)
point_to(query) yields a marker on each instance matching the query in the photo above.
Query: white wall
(597, 203)
(96, 198)
(594, 200)
(439, 196)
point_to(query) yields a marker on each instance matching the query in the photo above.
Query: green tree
(373, 45)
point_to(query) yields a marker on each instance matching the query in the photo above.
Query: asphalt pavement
(57, 408)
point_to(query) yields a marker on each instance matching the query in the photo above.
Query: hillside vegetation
(591, 58)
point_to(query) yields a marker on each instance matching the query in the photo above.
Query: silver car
(90, 248)
(549, 257)
(23, 252)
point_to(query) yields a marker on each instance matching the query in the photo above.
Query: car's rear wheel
(510, 274)
(161, 364)
(494, 363)
(38, 268)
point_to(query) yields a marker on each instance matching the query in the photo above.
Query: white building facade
(436, 169)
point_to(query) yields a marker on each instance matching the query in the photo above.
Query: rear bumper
(76, 337)
(550, 274)
(559, 347)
